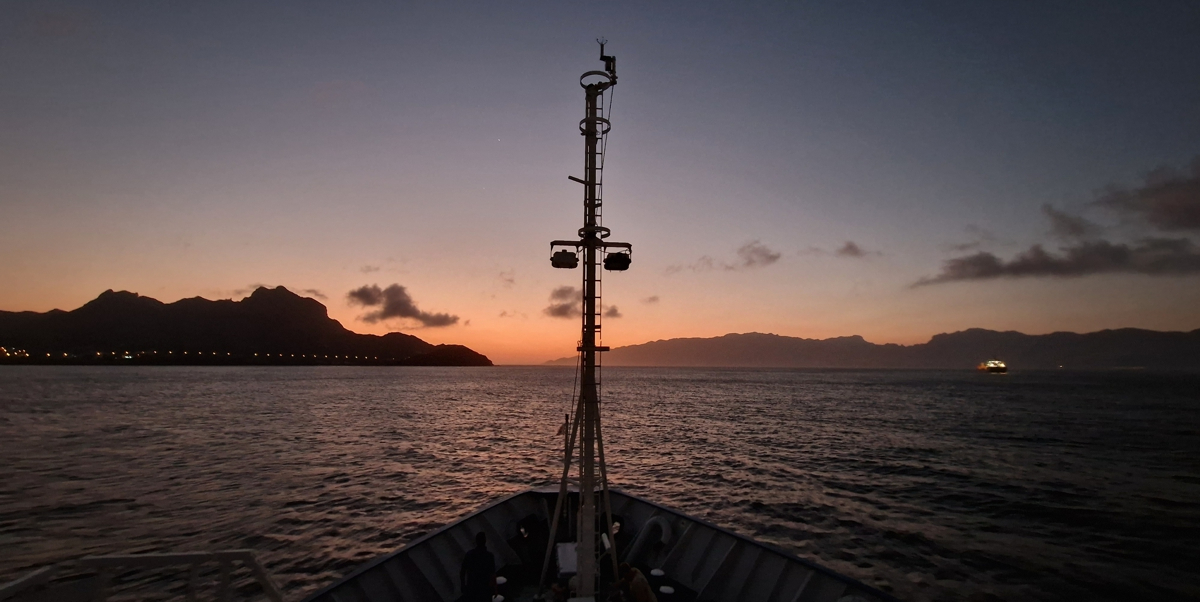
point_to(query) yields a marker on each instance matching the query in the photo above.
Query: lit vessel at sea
(994, 366)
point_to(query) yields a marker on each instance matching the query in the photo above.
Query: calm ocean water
(931, 485)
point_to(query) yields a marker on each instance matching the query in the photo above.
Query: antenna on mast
(585, 427)
(610, 62)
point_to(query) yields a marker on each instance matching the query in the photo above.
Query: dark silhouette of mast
(593, 477)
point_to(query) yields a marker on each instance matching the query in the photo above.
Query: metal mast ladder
(585, 427)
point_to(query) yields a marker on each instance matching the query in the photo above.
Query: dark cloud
(980, 236)
(1155, 256)
(565, 302)
(508, 278)
(1066, 226)
(1168, 199)
(852, 250)
(651, 300)
(366, 296)
(566, 293)
(395, 302)
(749, 256)
(754, 255)
(612, 312)
(312, 292)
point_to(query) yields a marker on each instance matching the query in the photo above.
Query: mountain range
(1106, 349)
(272, 325)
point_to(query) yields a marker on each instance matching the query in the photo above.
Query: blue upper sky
(195, 149)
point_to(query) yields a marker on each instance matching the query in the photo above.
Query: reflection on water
(932, 485)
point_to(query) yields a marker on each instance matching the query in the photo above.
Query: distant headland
(1126, 348)
(273, 326)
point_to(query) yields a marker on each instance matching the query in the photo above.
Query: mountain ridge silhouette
(1105, 349)
(270, 322)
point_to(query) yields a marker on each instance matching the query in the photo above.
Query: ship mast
(585, 427)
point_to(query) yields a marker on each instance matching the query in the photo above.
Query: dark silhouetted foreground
(271, 326)
(1106, 349)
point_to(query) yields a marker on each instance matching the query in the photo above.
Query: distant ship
(992, 366)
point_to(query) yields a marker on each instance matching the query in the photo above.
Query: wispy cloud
(754, 255)
(749, 256)
(651, 300)
(249, 288)
(1168, 199)
(507, 278)
(368, 269)
(852, 250)
(612, 312)
(1065, 226)
(1155, 256)
(395, 302)
(848, 250)
(979, 237)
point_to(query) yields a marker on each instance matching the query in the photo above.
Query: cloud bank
(1155, 256)
(1167, 199)
(395, 302)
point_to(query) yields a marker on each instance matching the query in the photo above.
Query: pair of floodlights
(613, 262)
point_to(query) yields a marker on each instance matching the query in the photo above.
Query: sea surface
(930, 485)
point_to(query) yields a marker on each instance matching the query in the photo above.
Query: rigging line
(575, 384)
(607, 114)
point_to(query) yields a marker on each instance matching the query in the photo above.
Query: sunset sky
(815, 169)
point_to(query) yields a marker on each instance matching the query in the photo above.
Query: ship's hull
(700, 561)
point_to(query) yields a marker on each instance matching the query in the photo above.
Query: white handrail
(31, 580)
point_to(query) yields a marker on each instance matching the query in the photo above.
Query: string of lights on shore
(22, 353)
